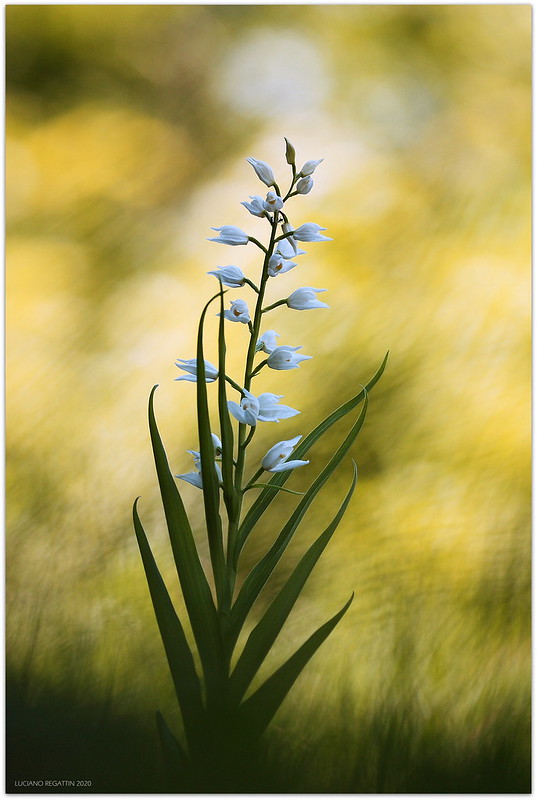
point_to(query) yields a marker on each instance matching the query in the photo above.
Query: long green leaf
(259, 575)
(226, 429)
(266, 497)
(267, 629)
(211, 489)
(176, 763)
(180, 659)
(196, 591)
(257, 711)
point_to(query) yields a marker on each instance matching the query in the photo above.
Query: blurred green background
(127, 133)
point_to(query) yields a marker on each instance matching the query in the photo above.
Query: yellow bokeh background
(127, 130)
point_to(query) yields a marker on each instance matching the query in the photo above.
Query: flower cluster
(278, 258)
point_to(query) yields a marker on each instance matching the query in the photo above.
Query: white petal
(192, 477)
(237, 411)
(288, 465)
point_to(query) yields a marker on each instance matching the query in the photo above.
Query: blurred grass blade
(259, 575)
(226, 429)
(211, 488)
(180, 660)
(196, 591)
(267, 629)
(266, 497)
(176, 763)
(257, 711)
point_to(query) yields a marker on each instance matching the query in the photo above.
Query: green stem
(252, 284)
(232, 383)
(244, 438)
(255, 241)
(274, 305)
(258, 368)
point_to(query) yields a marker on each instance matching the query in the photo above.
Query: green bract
(220, 720)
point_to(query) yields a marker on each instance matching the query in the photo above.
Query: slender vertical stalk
(244, 438)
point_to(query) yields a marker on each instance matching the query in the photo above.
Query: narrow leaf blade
(226, 429)
(259, 575)
(196, 591)
(266, 497)
(257, 711)
(273, 488)
(180, 659)
(211, 489)
(267, 629)
(176, 762)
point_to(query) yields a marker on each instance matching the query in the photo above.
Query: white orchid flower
(286, 249)
(288, 228)
(310, 167)
(265, 408)
(191, 366)
(229, 276)
(230, 234)
(277, 265)
(304, 185)
(309, 232)
(195, 477)
(271, 410)
(272, 202)
(256, 207)
(275, 458)
(248, 410)
(267, 342)
(304, 299)
(285, 357)
(262, 170)
(238, 312)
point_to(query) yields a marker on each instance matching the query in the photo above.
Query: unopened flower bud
(262, 170)
(304, 185)
(310, 167)
(290, 154)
